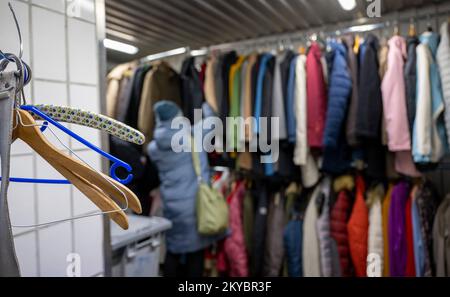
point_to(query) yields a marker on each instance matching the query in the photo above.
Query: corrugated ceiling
(159, 25)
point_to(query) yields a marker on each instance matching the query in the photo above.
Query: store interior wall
(60, 45)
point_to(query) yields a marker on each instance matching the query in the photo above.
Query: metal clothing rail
(332, 30)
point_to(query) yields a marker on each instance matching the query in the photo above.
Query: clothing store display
(9, 266)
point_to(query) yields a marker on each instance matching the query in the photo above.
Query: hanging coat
(410, 80)
(410, 260)
(397, 231)
(357, 228)
(274, 251)
(191, 88)
(323, 230)
(278, 108)
(352, 62)
(443, 61)
(418, 241)
(311, 249)
(441, 240)
(339, 216)
(337, 154)
(234, 245)
(375, 233)
(429, 136)
(317, 98)
(209, 87)
(385, 213)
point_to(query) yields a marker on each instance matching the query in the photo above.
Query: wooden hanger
(81, 176)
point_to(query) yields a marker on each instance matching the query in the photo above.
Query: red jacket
(357, 228)
(234, 246)
(316, 97)
(410, 261)
(338, 229)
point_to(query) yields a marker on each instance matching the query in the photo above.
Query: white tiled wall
(60, 45)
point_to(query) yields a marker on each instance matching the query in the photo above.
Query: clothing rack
(278, 40)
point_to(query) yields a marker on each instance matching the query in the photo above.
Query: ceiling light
(174, 52)
(347, 4)
(120, 46)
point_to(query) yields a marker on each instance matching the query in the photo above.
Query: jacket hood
(431, 39)
(165, 112)
(315, 50)
(338, 47)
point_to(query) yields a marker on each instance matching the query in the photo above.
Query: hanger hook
(18, 30)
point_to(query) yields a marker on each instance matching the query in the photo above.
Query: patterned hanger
(92, 120)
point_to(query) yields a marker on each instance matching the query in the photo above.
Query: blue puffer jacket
(337, 155)
(178, 182)
(338, 96)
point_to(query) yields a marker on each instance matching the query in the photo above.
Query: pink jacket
(234, 246)
(394, 97)
(317, 97)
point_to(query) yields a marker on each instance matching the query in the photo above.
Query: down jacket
(357, 229)
(234, 245)
(323, 230)
(311, 250)
(178, 183)
(338, 229)
(317, 98)
(338, 96)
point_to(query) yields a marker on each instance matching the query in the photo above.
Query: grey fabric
(8, 261)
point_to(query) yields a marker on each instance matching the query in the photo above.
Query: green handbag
(212, 209)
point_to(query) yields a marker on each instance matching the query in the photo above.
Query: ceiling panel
(158, 25)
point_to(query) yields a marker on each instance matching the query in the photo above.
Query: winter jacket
(300, 115)
(178, 183)
(317, 98)
(410, 71)
(113, 90)
(259, 230)
(235, 102)
(160, 83)
(429, 139)
(352, 63)
(419, 245)
(234, 245)
(339, 216)
(290, 98)
(368, 120)
(191, 88)
(385, 213)
(337, 154)
(410, 269)
(427, 205)
(396, 230)
(441, 240)
(311, 248)
(274, 251)
(293, 233)
(394, 101)
(323, 229)
(375, 236)
(223, 95)
(209, 87)
(443, 61)
(357, 228)
(278, 108)
(340, 87)
(131, 112)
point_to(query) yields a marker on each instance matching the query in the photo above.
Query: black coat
(192, 96)
(410, 81)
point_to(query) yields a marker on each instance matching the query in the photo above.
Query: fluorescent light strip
(174, 52)
(120, 47)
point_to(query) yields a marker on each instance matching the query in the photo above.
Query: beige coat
(160, 83)
(113, 89)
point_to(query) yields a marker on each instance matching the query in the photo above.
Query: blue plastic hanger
(117, 163)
